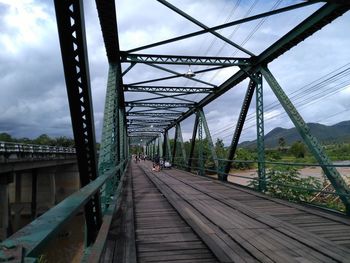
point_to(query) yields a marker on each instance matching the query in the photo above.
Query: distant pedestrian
(157, 163)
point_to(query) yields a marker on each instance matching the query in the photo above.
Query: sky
(33, 98)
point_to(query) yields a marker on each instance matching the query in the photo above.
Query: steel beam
(154, 114)
(239, 126)
(130, 130)
(183, 150)
(107, 158)
(159, 105)
(215, 28)
(210, 140)
(168, 89)
(195, 21)
(314, 146)
(193, 142)
(175, 144)
(260, 131)
(183, 60)
(71, 31)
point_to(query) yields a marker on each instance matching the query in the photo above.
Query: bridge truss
(159, 108)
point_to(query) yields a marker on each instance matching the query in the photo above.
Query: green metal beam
(159, 105)
(210, 140)
(310, 25)
(260, 130)
(183, 60)
(168, 89)
(215, 28)
(34, 237)
(314, 146)
(239, 126)
(175, 144)
(193, 142)
(182, 145)
(154, 114)
(195, 21)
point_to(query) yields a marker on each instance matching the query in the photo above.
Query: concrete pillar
(17, 206)
(46, 189)
(34, 193)
(5, 180)
(67, 181)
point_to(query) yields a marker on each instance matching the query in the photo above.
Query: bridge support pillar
(46, 188)
(18, 206)
(5, 180)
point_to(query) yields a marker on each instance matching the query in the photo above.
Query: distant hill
(336, 133)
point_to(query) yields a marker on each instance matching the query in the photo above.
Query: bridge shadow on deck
(174, 216)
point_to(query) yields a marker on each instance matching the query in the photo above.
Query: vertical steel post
(260, 131)
(170, 158)
(193, 142)
(71, 31)
(182, 145)
(210, 141)
(160, 146)
(200, 144)
(175, 144)
(314, 146)
(165, 157)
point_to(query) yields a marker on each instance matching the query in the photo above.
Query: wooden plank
(322, 248)
(161, 234)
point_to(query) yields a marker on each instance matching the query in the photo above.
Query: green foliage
(286, 183)
(243, 155)
(298, 149)
(5, 137)
(43, 139)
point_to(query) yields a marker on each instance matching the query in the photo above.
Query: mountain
(336, 133)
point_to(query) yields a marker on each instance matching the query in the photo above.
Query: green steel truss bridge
(190, 218)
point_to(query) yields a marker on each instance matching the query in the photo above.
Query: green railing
(254, 181)
(27, 244)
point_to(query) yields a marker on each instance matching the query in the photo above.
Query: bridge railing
(27, 244)
(324, 196)
(13, 151)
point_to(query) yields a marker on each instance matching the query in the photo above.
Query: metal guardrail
(26, 244)
(14, 147)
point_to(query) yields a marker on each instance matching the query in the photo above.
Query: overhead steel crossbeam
(132, 130)
(168, 89)
(142, 135)
(147, 121)
(160, 105)
(147, 125)
(184, 60)
(153, 114)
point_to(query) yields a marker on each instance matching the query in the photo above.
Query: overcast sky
(33, 97)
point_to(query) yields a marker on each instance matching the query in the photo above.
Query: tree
(281, 143)
(5, 137)
(220, 149)
(298, 149)
(43, 139)
(286, 183)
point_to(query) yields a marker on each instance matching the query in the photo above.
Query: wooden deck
(174, 216)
